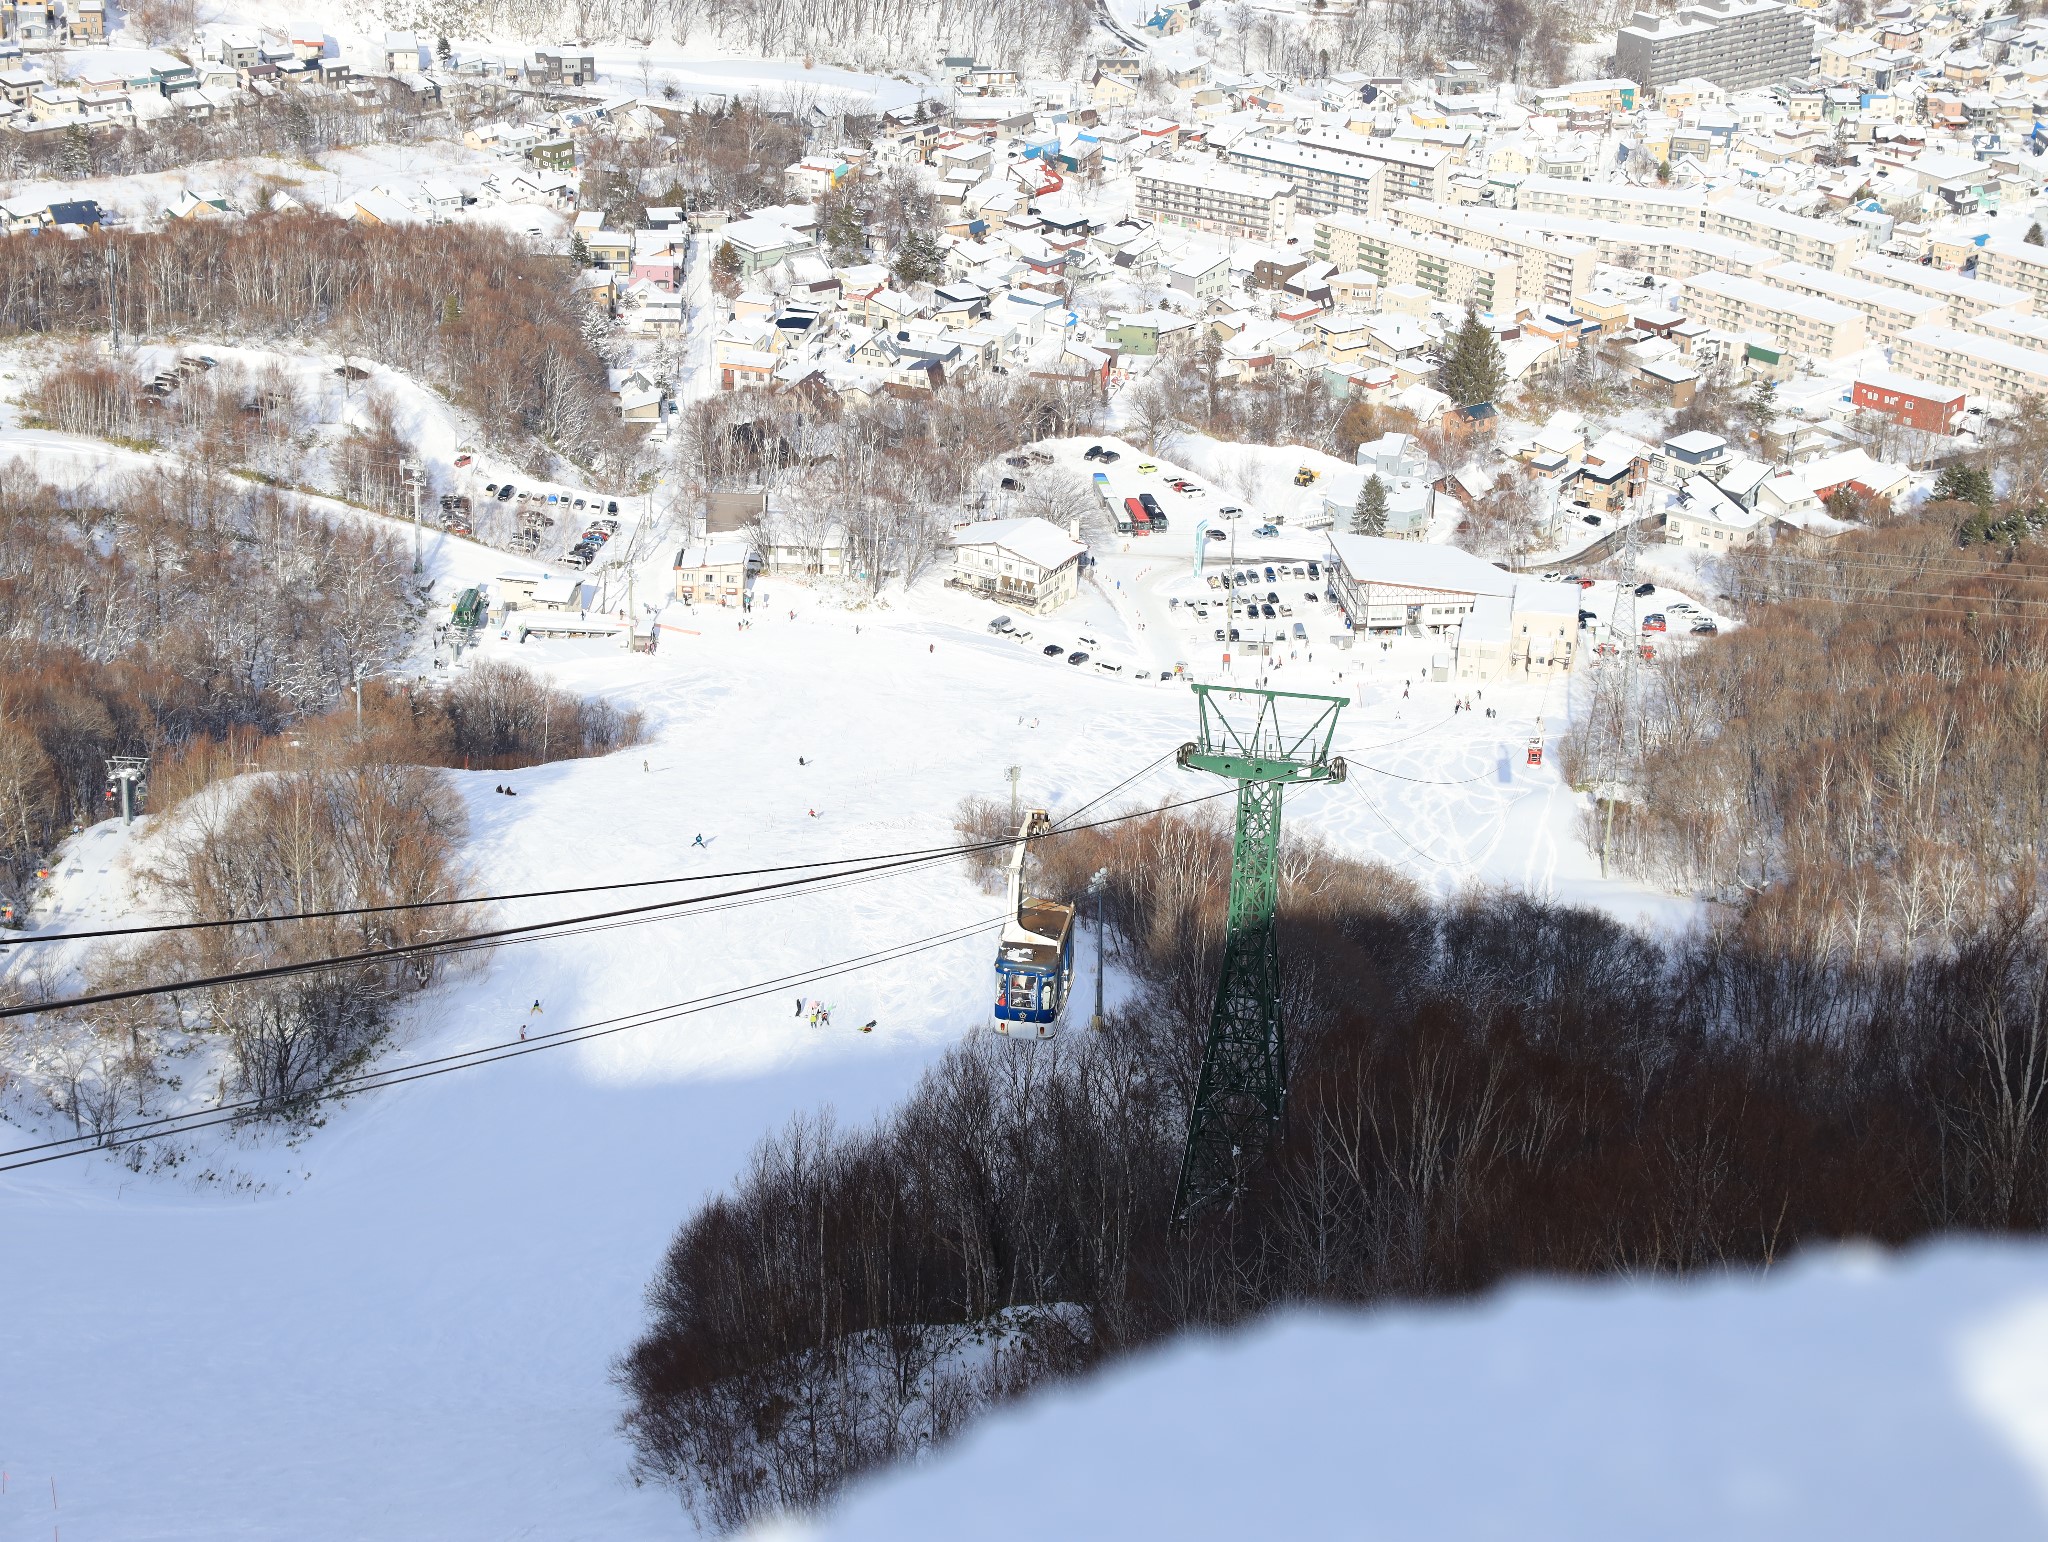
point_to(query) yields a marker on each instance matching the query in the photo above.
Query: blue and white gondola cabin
(1035, 957)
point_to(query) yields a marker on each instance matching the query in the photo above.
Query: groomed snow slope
(401, 1328)
(1847, 1396)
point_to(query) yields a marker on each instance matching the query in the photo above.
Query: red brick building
(1908, 402)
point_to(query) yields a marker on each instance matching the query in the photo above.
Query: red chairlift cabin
(1536, 751)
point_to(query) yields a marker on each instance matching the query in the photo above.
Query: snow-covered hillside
(1847, 1395)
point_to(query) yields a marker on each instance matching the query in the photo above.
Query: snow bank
(1846, 1396)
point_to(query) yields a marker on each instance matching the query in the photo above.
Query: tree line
(466, 308)
(1858, 767)
(1482, 1086)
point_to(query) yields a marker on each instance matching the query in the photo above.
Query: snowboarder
(814, 813)
(699, 841)
(522, 1033)
(799, 1006)
(931, 647)
(868, 1026)
(536, 1006)
(801, 761)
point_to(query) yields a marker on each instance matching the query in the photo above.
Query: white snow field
(401, 1326)
(1844, 1396)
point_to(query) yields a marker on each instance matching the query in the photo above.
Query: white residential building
(1215, 198)
(1030, 563)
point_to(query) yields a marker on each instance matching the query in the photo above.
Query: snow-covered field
(1845, 1396)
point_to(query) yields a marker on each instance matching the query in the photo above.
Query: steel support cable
(167, 1125)
(528, 931)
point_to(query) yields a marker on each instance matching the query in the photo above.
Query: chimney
(1074, 528)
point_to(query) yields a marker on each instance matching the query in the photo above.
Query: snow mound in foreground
(1848, 1395)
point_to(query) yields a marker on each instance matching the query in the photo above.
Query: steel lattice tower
(1243, 1088)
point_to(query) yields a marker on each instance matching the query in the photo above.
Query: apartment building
(1447, 269)
(1737, 44)
(1552, 268)
(1816, 243)
(1408, 168)
(2016, 264)
(1970, 361)
(1325, 181)
(2011, 324)
(1965, 296)
(1217, 199)
(1672, 254)
(1797, 323)
(1886, 311)
(1659, 208)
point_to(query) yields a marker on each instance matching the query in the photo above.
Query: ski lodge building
(1501, 621)
(1030, 563)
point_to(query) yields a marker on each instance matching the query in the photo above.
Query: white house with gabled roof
(1030, 563)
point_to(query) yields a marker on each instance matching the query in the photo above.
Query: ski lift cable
(528, 931)
(168, 1125)
(850, 863)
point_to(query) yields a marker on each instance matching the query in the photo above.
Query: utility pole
(1014, 773)
(1243, 1089)
(414, 476)
(1095, 891)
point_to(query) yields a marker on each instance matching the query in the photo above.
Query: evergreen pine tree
(77, 152)
(579, 253)
(1369, 516)
(844, 236)
(1472, 371)
(725, 269)
(1965, 484)
(2034, 235)
(919, 260)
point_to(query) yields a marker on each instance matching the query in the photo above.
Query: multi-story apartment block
(1983, 366)
(1816, 243)
(1659, 208)
(1886, 311)
(1408, 168)
(1325, 181)
(1552, 268)
(1797, 323)
(1216, 199)
(2017, 264)
(1965, 296)
(1447, 269)
(1670, 254)
(1736, 44)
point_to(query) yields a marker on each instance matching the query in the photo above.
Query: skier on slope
(699, 841)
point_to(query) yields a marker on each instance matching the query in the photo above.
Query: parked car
(505, 493)
(1219, 634)
(1146, 468)
(1108, 456)
(1272, 597)
(1012, 485)
(1267, 530)
(1300, 632)
(1267, 612)
(1312, 597)
(1314, 571)
(1229, 509)
(1015, 460)
(1269, 575)
(1093, 452)
(612, 507)
(1053, 650)
(1591, 519)
(1643, 590)
(1704, 628)
(462, 460)
(1215, 535)
(1077, 657)
(1654, 622)
(1001, 624)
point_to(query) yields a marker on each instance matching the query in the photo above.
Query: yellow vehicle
(1146, 468)
(1303, 476)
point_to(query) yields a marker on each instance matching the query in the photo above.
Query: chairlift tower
(1265, 741)
(127, 775)
(1617, 749)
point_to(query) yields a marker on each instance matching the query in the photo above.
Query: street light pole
(410, 470)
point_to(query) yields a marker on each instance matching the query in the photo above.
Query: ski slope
(1844, 1396)
(401, 1325)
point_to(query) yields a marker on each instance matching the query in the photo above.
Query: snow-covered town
(753, 752)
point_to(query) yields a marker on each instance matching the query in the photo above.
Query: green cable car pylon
(1265, 741)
